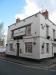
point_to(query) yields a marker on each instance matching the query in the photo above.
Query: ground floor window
(1, 43)
(42, 51)
(47, 47)
(11, 46)
(28, 47)
(20, 50)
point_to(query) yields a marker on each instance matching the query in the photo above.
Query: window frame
(47, 30)
(27, 45)
(11, 46)
(53, 34)
(42, 48)
(28, 29)
(47, 47)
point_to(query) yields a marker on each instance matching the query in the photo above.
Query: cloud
(30, 8)
(52, 16)
(33, 6)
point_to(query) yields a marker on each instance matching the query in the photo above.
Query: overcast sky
(10, 9)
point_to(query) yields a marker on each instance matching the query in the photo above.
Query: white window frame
(28, 45)
(28, 30)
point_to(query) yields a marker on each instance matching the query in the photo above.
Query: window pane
(42, 52)
(53, 34)
(28, 30)
(28, 47)
(47, 47)
(11, 46)
(47, 30)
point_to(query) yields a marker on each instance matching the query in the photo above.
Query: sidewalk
(43, 63)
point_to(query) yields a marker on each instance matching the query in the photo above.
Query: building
(33, 37)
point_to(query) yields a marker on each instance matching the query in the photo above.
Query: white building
(33, 37)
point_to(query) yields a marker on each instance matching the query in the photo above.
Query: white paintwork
(38, 35)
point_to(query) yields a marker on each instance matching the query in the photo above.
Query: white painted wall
(35, 52)
(11, 52)
(44, 21)
(35, 30)
(37, 34)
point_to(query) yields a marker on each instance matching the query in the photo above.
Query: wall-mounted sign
(19, 32)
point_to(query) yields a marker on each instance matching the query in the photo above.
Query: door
(52, 50)
(17, 49)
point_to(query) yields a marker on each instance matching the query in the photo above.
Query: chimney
(45, 13)
(17, 20)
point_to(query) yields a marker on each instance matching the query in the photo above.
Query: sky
(11, 9)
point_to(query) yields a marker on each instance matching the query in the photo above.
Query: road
(10, 68)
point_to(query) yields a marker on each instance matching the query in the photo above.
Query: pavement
(43, 64)
(11, 68)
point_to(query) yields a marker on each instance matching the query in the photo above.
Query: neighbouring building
(33, 37)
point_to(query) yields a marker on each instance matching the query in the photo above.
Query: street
(11, 68)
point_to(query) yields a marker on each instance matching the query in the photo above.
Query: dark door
(17, 49)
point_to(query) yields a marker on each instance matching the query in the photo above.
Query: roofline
(49, 20)
(52, 22)
(31, 16)
(25, 18)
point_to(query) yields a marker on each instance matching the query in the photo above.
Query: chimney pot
(45, 14)
(17, 20)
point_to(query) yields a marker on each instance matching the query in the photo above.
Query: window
(53, 34)
(28, 47)
(47, 31)
(12, 33)
(11, 46)
(28, 30)
(1, 43)
(42, 52)
(6, 45)
(47, 47)
(20, 50)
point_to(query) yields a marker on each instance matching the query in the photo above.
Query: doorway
(52, 50)
(17, 49)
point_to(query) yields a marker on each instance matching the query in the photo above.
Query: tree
(1, 26)
(1, 32)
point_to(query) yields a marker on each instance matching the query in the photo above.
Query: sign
(19, 32)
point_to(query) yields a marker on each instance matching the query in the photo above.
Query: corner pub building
(33, 37)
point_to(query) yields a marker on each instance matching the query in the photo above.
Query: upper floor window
(28, 30)
(47, 31)
(12, 33)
